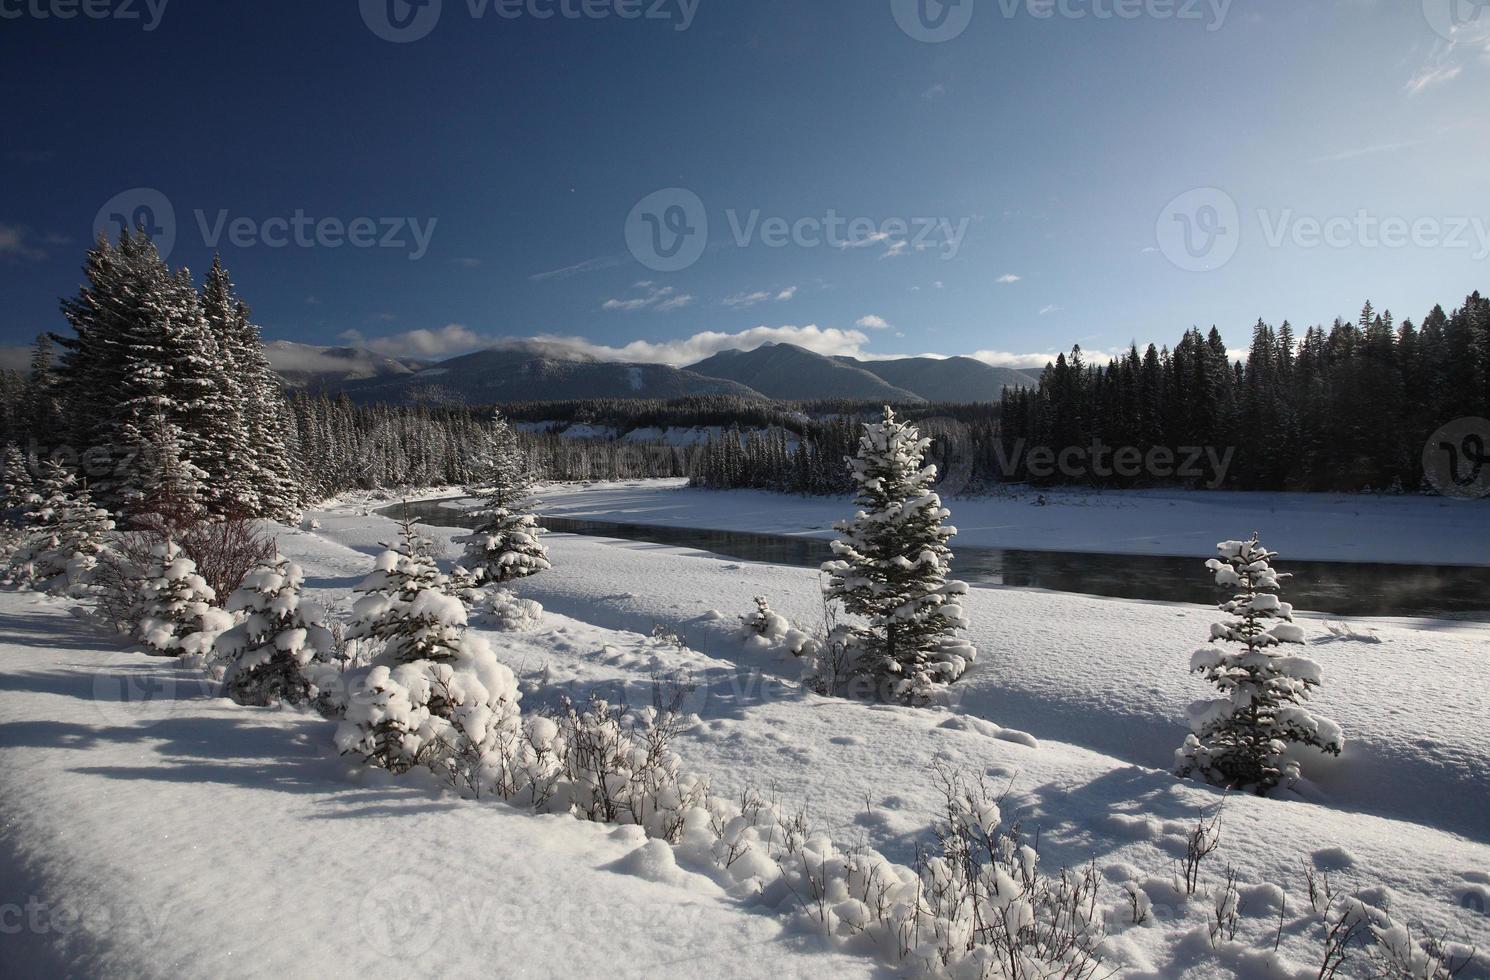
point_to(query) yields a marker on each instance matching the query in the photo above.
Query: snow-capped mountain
(538, 372)
(789, 372)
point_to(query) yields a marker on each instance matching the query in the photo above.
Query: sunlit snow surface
(193, 837)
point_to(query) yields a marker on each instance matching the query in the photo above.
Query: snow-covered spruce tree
(436, 694)
(277, 641)
(175, 602)
(506, 545)
(63, 535)
(227, 452)
(765, 628)
(16, 485)
(1242, 740)
(891, 570)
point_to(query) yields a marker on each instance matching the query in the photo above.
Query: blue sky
(1007, 191)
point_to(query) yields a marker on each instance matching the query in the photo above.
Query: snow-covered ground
(198, 838)
(1325, 527)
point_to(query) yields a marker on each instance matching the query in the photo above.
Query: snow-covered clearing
(1324, 527)
(199, 838)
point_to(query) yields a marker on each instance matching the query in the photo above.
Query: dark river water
(1338, 588)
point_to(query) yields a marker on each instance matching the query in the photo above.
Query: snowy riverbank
(228, 841)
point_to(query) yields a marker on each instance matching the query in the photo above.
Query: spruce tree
(16, 485)
(506, 545)
(892, 568)
(406, 603)
(229, 455)
(175, 600)
(1241, 741)
(277, 641)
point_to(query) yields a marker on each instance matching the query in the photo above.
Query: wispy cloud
(743, 301)
(1431, 75)
(663, 299)
(579, 268)
(873, 322)
(1364, 151)
(20, 242)
(1008, 278)
(1047, 310)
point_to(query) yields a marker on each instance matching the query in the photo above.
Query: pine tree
(407, 604)
(175, 600)
(505, 545)
(64, 533)
(1241, 740)
(892, 568)
(436, 695)
(227, 442)
(277, 641)
(16, 485)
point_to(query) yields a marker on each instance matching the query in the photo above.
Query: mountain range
(531, 371)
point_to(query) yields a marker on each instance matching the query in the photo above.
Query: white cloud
(579, 268)
(935, 92)
(896, 250)
(1008, 278)
(872, 322)
(456, 339)
(469, 263)
(689, 350)
(1044, 310)
(743, 301)
(18, 242)
(446, 341)
(1431, 75)
(663, 299)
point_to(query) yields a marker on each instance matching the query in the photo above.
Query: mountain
(951, 379)
(538, 372)
(331, 368)
(791, 373)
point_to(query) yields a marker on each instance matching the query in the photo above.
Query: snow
(196, 837)
(1323, 527)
